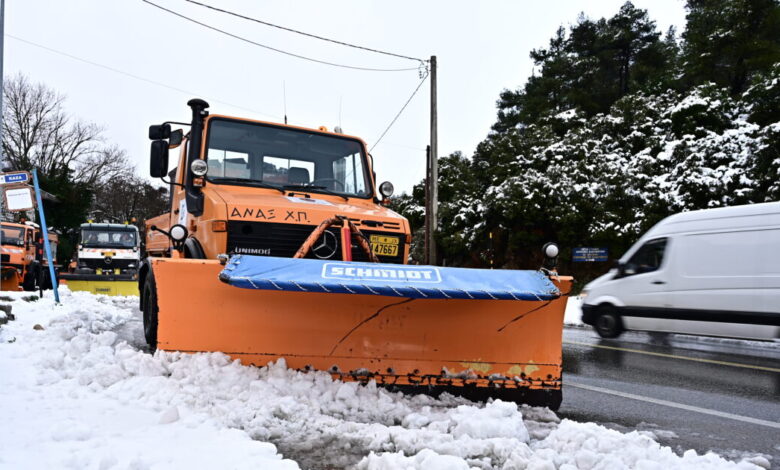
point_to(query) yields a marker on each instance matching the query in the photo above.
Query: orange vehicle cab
(24, 267)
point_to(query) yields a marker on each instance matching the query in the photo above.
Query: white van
(709, 272)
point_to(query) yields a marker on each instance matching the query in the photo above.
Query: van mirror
(158, 159)
(621, 268)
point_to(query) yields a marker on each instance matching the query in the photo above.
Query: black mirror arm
(171, 182)
(178, 246)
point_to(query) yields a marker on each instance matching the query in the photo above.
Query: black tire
(193, 250)
(608, 323)
(150, 310)
(30, 281)
(554, 399)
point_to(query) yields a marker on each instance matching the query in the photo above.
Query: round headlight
(550, 250)
(199, 167)
(178, 232)
(386, 189)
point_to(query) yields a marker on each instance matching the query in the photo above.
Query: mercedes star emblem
(326, 246)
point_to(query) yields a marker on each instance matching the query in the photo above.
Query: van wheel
(150, 310)
(608, 323)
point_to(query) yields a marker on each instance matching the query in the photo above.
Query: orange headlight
(219, 226)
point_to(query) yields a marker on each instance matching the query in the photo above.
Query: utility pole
(427, 187)
(2, 156)
(2, 35)
(432, 201)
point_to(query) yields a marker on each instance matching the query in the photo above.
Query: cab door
(642, 282)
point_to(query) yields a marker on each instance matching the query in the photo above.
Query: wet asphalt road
(692, 392)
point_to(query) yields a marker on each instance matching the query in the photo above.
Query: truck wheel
(29, 282)
(608, 323)
(150, 309)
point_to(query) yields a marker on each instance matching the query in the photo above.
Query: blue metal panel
(392, 280)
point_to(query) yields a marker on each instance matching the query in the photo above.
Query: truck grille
(283, 240)
(94, 263)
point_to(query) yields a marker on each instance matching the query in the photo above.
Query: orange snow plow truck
(23, 264)
(277, 245)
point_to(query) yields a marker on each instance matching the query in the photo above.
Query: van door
(642, 280)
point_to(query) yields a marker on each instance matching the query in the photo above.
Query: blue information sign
(12, 178)
(586, 254)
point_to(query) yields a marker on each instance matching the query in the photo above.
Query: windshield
(13, 235)
(109, 238)
(241, 152)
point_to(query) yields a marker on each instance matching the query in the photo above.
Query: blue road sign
(15, 178)
(586, 254)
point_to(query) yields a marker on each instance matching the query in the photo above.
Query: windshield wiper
(316, 189)
(242, 181)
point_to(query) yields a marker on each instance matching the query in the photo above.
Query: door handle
(659, 282)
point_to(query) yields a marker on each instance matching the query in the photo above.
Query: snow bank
(573, 313)
(82, 393)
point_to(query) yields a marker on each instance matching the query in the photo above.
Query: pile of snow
(573, 313)
(79, 391)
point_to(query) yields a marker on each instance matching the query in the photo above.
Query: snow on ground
(573, 311)
(78, 390)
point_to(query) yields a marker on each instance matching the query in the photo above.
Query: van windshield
(285, 158)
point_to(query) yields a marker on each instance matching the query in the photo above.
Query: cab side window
(647, 259)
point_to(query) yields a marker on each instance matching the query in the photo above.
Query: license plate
(384, 246)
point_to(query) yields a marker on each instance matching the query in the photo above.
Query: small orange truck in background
(23, 263)
(277, 245)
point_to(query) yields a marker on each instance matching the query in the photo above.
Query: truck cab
(109, 250)
(251, 187)
(23, 262)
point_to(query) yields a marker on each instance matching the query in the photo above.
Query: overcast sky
(482, 48)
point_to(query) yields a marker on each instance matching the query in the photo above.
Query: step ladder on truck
(278, 245)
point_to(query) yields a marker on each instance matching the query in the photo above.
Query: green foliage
(591, 67)
(69, 211)
(728, 42)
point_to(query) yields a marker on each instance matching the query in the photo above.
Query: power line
(304, 33)
(249, 41)
(136, 77)
(399, 112)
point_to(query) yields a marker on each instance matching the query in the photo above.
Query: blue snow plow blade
(391, 280)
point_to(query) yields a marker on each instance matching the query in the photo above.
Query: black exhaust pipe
(194, 194)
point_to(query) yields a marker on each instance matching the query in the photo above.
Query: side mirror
(621, 269)
(158, 159)
(176, 138)
(161, 131)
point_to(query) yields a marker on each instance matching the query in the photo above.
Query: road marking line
(681, 406)
(674, 356)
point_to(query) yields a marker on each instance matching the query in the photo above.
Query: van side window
(647, 259)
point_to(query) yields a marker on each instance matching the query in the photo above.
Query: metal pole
(434, 176)
(2, 35)
(2, 45)
(45, 236)
(426, 231)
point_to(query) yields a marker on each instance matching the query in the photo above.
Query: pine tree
(729, 41)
